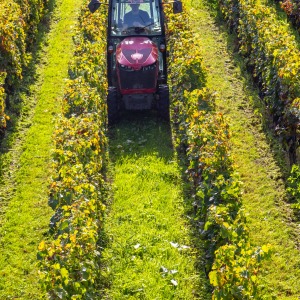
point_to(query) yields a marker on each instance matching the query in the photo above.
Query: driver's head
(135, 6)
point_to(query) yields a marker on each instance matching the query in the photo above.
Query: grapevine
(204, 135)
(19, 22)
(69, 265)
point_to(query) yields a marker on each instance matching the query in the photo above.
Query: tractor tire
(164, 102)
(112, 105)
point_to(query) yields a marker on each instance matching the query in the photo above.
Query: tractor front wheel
(112, 105)
(164, 102)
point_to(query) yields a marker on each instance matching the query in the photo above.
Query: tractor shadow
(140, 133)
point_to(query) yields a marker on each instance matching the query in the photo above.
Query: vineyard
(204, 206)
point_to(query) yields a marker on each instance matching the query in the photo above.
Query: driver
(136, 17)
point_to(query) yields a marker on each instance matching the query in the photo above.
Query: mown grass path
(24, 190)
(149, 253)
(264, 193)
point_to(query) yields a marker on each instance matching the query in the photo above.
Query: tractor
(136, 56)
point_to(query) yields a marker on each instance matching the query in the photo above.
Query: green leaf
(64, 273)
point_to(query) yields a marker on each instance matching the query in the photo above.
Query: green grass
(24, 187)
(258, 157)
(149, 253)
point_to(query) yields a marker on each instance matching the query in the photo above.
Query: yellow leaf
(42, 246)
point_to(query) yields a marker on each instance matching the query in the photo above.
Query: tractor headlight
(125, 68)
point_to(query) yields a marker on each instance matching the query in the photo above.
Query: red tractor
(136, 56)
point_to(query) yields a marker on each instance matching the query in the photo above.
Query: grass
(258, 156)
(149, 253)
(27, 164)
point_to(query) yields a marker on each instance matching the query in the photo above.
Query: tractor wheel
(164, 102)
(112, 105)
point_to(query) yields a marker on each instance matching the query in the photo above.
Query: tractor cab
(134, 17)
(136, 56)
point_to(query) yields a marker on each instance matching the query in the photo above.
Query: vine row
(204, 135)
(69, 262)
(18, 29)
(272, 54)
(292, 9)
(293, 186)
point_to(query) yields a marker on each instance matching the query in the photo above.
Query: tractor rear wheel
(164, 102)
(112, 105)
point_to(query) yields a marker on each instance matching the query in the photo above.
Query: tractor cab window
(135, 17)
